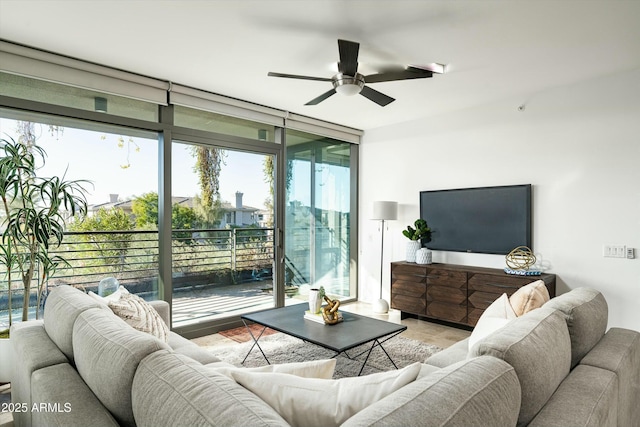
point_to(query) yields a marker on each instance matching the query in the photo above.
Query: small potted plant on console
(415, 236)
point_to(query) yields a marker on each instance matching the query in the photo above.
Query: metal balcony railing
(202, 257)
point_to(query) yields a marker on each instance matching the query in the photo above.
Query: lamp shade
(385, 210)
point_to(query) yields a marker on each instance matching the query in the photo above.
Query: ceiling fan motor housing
(348, 85)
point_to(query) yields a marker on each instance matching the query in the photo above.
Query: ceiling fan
(349, 82)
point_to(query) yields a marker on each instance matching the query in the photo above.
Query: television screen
(492, 220)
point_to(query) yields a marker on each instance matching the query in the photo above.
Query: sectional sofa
(89, 367)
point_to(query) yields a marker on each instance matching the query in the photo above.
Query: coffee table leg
(255, 343)
(375, 343)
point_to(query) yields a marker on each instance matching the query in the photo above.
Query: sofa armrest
(162, 307)
(33, 350)
(588, 397)
(63, 399)
(619, 352)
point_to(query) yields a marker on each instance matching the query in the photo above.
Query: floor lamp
(383, 211)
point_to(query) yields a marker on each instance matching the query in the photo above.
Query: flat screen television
(491, 220)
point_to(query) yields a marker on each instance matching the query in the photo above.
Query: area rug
(282, 348)
(240, 334)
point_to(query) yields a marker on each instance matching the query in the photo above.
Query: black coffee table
(353, 331)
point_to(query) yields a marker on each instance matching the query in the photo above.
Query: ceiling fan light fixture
(347, 85)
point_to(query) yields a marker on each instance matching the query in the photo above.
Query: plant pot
(6, 355)
(423, 256)
(412, 248)
(315, 302)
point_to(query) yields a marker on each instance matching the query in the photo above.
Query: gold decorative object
(521, 258)
(330, 312)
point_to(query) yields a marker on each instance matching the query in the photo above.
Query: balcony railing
(203, 257)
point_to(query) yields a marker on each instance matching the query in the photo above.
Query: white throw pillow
(140, 315)
(498, 314)
(312, 369)
(318, 402)
(109, 298)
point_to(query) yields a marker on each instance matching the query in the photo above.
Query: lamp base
(381, 307)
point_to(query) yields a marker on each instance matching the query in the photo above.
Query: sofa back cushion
(483, 391)
(586, 313)
(538, 347)
(170, 389)
(107, 353)
(62, 307)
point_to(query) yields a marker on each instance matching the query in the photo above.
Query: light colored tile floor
(429, 332)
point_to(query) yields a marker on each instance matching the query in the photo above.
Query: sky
(117, 164)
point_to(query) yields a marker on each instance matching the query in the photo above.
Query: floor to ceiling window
(318, 213)
(116, 167)
(278, 218)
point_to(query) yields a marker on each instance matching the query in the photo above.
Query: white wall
(578, 145)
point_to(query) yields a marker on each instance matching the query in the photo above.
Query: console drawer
(445, 277)
(409, 304)
(410, 273)
(498, 284)
(449, 312)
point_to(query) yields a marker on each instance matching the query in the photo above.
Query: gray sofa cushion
(184, 346)
(36, 350)
(170, 389)
(63, 305)
(69, 401)
(619, 352)
(586, 313)
(108, 352)
(588, 397)
(538, 346)
(483, 391)
(450, 355)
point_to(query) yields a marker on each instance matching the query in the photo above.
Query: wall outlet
(614, 251)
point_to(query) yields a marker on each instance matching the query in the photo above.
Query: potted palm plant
(32, 221)
(415, 236)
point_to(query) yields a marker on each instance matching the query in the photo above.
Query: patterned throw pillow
(140, 315)
(529, 297)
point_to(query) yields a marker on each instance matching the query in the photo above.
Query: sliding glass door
(318, 214)
(222, 232)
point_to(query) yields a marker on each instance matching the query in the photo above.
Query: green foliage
(321, 293)
(34, 211)
(183, 217)
(422, 231)
(209, 161)
(112, 247)
(145, 209)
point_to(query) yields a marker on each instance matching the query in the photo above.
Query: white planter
(412, 248)
(423, 256)
(6, 355)
(315, 302)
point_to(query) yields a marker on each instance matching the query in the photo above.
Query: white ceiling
(495, 50)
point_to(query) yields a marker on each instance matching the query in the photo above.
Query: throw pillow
(529, 297)
(498, 314)
(140, 315)
(113, 297)
(319, 402)
(312, 369)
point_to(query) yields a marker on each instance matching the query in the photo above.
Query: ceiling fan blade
(378, 97)
(318, 100)
(348, 57)
(409, 73)
(295, 76)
